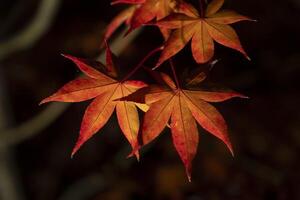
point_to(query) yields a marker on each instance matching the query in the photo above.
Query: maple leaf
(148, 10)
(105, 90)
(184, 108)
(203, 31)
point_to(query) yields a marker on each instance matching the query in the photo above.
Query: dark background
(35, 161)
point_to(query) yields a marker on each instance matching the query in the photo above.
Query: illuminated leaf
(184, 108)
(202, 31)
(106, 91)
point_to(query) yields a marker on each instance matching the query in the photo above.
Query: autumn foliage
(177, 104)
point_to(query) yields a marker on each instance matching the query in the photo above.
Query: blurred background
(36, 141)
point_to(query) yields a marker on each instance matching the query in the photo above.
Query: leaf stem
(174, 73)
(201, 8)
(141, 63)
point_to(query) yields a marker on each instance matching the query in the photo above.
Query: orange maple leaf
(214, 26)
(184, 108)
(105, 89)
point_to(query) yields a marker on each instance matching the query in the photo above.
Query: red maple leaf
(202, 30)
(105, 90)
(184, 107)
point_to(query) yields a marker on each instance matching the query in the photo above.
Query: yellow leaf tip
(44, 101)
(155, 67)
(135, 152)
(243, 96)
(67, 56)
(137, 157)
(189, 178)
(77, 147)
(231, 152)
(188, 172)
(114, 3)
(64, 55)
(74, 152)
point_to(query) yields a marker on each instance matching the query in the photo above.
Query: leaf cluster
(177, 104)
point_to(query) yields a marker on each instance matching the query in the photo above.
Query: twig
(201, 8)
(174, 72)
(141, 63)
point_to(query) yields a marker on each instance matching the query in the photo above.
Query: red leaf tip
(135, 152)
(77, 146)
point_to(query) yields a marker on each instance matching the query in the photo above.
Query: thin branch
(174, 72)
(141, 63)
(201, 8)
